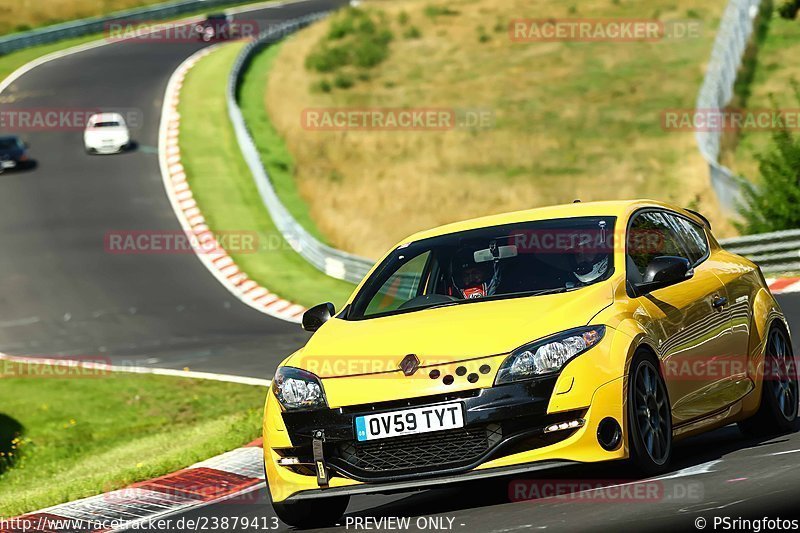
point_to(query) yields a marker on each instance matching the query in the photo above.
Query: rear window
(108, 124)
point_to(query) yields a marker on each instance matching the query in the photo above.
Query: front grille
(429, 451)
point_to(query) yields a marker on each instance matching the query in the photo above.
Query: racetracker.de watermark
(396, 119)
(199, 482)
(154, 242)
(706, 368)
(571, 241)
(61, 118)
(367, 366)
(601, 30)
(605, 490)
(77, 367)
(149, 31)
(722, 120)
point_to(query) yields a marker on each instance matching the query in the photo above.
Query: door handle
(719, 301)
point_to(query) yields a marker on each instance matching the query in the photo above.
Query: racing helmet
(590, 260)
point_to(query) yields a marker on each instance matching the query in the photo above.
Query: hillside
(568, 119)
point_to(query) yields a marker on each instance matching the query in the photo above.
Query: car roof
(616, 208)
(9, 137)
(106, 117)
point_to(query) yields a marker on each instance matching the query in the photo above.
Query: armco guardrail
(774, 252)
(716, 92)
(333, 262)
(87, 26)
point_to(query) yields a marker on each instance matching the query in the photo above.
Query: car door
(693, 333)
(731, 371)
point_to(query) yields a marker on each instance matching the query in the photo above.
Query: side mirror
(316, 316)
(663, 271)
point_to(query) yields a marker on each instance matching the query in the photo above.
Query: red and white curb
(229, 476)
(218, 262)
(782, 285)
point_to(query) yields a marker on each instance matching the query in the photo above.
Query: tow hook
(319, 457)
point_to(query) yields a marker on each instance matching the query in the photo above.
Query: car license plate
(8, 164)
(410, 421)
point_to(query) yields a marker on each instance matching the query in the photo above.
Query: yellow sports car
(576, 333)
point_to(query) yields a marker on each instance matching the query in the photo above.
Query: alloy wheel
(652, 412)
(781, 374)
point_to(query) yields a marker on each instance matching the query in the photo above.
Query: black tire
(306, 514)
(649, 416)
(778, 410)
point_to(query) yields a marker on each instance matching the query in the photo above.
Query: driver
(591, 263)
(471, 279)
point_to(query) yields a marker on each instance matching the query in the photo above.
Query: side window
(694, 238)
(652, 234)
(401, 287)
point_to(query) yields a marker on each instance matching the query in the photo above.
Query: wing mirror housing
(663, 271)
(316, 316)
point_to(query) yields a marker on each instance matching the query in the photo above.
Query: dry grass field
(571, 119)
(19, 15)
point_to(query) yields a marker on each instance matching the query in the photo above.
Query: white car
(106, 133)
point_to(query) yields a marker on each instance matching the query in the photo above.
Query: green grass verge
(69, 437)
(226, 193)
(274, 154)
(771, 86)
(11, 62)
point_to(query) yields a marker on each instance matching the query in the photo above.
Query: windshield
(107, 124)
(508, 261)
(10, 143)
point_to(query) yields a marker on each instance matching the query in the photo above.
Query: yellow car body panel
(357, 361)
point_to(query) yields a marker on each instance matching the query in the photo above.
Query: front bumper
(503, 435)
(107, 146)
(495, 419)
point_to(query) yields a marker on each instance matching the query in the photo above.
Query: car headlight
(298, 389)
(548, 355)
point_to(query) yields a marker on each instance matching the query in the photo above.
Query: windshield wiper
(551, 291)
(445, 304)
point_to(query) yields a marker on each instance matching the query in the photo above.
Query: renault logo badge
(409, 364)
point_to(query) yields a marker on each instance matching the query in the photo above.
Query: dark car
(13, 153)
(217, 26)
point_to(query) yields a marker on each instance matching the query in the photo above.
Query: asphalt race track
(63, 294)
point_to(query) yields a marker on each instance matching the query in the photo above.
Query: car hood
(446, 334)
